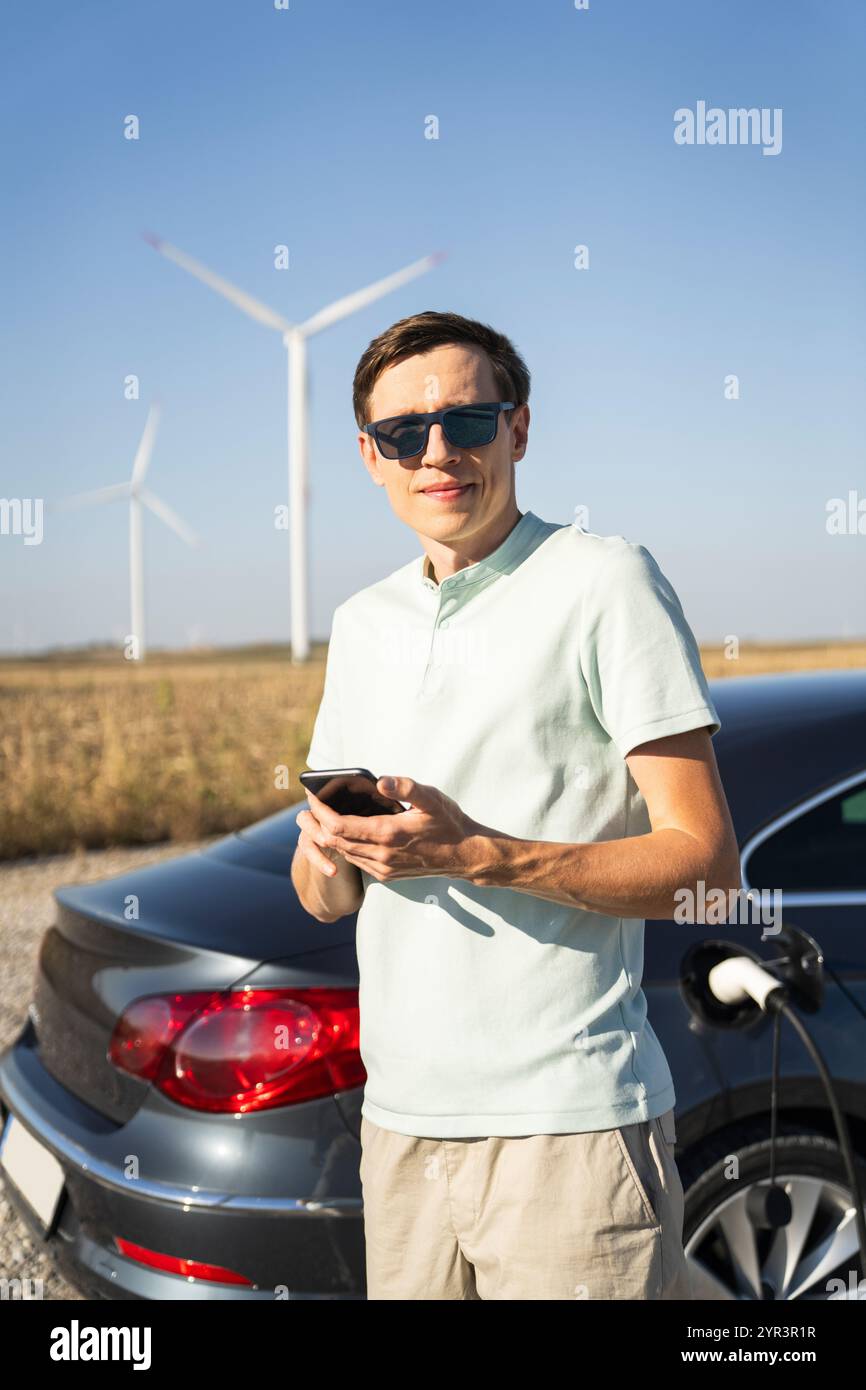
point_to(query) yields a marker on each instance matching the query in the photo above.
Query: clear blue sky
(306, 127)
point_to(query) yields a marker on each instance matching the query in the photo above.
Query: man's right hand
(328, 886)
(322, 857)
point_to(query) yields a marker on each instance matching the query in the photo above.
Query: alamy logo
(736, 126)
(22, 516)
(76, 1343)
(737, 906)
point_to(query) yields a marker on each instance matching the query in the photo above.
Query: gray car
(163, 1146)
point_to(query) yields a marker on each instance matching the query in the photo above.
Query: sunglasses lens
(401, 437)
(467, 428)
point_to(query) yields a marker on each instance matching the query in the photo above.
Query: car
(162, 1145)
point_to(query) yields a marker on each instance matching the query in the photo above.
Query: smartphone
(350, 791)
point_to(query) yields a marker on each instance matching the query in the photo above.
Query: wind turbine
(138, 496)
(294, 336)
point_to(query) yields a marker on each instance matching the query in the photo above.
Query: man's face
(457, 374)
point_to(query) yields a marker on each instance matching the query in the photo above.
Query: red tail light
(242, 1050)
(172, 1264)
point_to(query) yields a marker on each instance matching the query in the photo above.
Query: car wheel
(815, 1257)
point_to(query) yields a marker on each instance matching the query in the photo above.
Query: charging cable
(729, 986)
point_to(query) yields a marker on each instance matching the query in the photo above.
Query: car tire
(729, 1259)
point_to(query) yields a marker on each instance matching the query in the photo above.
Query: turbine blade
(171, 518)
(145, 448)
(86, 499)
(361, 298)
(241, 300)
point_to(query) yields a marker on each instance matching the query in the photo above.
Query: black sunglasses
(464, 426)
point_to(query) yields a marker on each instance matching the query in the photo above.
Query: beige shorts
(597, 1215)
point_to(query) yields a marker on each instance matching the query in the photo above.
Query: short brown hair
(421, 332)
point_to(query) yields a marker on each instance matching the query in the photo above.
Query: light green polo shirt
(517, 686)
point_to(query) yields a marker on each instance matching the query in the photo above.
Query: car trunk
(93, 963)
(201, 921)
(88, 972)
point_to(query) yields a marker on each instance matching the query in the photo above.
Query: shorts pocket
(668, 1128)
(634, 1143)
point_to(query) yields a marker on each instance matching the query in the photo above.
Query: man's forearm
(327, 898)
(634, 877)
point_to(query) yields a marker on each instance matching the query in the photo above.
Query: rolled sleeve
(639, 657)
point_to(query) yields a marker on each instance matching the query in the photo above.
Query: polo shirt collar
(505, 557)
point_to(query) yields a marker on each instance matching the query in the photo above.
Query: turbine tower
(294, 337)
(138, 496)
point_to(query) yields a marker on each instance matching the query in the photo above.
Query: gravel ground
(26, 911)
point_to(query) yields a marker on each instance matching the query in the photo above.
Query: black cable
(774, 1094)
(841, 1127)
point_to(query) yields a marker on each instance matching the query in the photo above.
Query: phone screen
(350, 791)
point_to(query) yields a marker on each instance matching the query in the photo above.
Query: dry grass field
(766, 659)
(98, 752)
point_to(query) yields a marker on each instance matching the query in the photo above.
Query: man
(536, 696)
